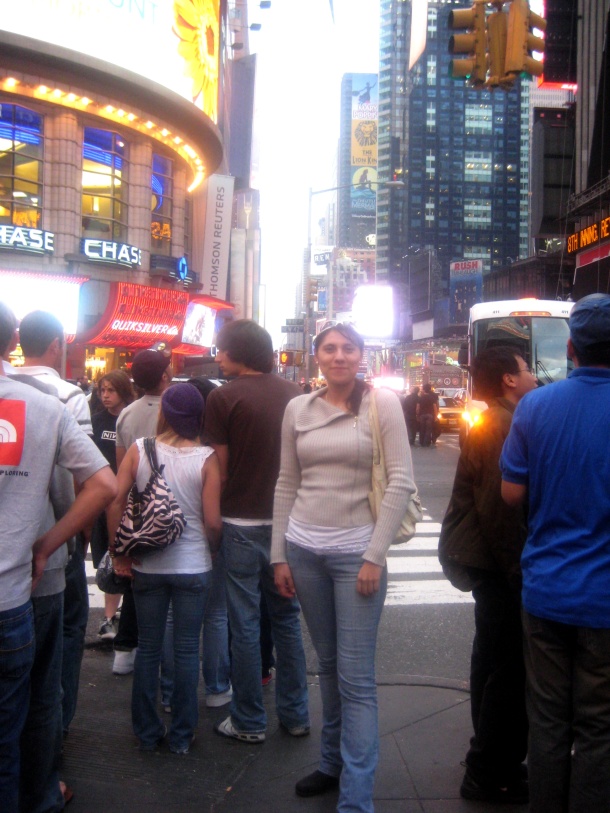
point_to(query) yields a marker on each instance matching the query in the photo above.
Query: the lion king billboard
(365, 103)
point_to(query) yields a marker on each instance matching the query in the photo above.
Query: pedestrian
(40, 433)
(243, 423)
(215, 660)
(427, 411)
(115, 393)
(480, 549)
(41, 336)
(409, 407)
(556, 457)
(152, 373)
(180, 574)
(328, 551)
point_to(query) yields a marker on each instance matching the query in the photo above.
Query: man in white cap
(557, 457)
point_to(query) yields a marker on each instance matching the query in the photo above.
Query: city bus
(536, 328)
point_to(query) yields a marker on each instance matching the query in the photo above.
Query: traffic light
(298, 359)
(472, 43)
(313, 290)
(521, 40)
(497, 28)
(287, 358)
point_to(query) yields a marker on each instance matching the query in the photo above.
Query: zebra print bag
(152, 519)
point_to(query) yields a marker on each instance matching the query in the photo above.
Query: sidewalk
(424, 726)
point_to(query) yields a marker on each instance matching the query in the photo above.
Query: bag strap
(151, 453)
(375, 429)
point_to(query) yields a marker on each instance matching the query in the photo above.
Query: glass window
(477, 213)
(477, 167)
(161, 205)
(104, 185)
(478, 118)
(21, 148)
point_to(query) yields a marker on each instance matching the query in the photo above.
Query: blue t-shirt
(559, 447)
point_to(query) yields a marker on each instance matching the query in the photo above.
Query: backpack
(152, 519)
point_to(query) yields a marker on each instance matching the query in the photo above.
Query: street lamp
(330, 280)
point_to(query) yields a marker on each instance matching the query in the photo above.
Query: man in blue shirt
(557, 456)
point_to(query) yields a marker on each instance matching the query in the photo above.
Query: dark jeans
(16, 658)
(426, 423)
(42, 735)
(497, 684)
(568, 703)
(412, 429)
(127, 635)
(267, 659)
(76, 613)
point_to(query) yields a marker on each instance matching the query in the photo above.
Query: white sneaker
(124, 661)
(213, 701)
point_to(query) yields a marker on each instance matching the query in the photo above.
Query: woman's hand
(122, 565)
(369, 578)
(283, 580)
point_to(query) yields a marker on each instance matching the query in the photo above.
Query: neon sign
(31, 240)
(106, 251)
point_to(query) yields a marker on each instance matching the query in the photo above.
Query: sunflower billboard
(174, 43)
(365, 103)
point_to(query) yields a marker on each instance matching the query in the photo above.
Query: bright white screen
(24, 293)
(199, 325)
(373, 311)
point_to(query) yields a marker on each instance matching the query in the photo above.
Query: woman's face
(110, 397)
(338, 358)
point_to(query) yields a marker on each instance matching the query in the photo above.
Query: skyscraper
(461, 152)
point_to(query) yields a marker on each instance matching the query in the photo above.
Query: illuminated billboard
(199, 325)
(172, 42)
(365, 104)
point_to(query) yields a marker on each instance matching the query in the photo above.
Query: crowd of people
(274, 487)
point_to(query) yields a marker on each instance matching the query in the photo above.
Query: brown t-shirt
(246, 415)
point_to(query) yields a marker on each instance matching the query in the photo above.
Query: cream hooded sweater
(326, 466)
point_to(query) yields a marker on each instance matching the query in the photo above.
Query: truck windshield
(540, 340)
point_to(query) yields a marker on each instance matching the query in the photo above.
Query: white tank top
(190, 553)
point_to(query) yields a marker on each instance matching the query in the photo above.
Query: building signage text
(106, 251)
(144, 327)
(589, 236)
(34, 240)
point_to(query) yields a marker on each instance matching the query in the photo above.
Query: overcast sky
(302, 56)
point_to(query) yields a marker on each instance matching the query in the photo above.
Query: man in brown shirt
(243, 423)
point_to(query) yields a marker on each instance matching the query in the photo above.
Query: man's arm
(94, 495)
(513, 494)
(222, 453)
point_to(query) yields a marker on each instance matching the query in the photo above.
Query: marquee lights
(107, 111)
(141, 315)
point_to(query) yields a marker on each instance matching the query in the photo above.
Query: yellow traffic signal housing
(298, 359)
(497, 28)
(472, 43)
(521, 40)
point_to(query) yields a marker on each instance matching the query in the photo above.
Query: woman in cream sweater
(327, 549)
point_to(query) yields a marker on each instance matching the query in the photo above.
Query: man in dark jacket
(409, 407)
(480, 548)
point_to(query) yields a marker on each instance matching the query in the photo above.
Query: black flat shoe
(316, 783)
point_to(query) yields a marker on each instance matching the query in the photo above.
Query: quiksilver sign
(20, 238)
(105, 251)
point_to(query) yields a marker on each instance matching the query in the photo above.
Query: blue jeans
(216, 665)
(343, 626)
(568, 705)
(247, 552)
(16, 659)
(188, 595)
(41, 739)
(76, 613)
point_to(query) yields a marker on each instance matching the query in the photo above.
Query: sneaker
(517, 793)
(124, 661)
(316, 783)
(213, 701)
(108, 629)
(297, 730)
(185, 749)
(266, 679)
(226, 729)
(167, 708)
